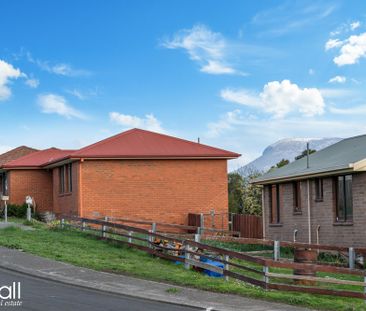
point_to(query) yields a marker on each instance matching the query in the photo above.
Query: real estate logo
(10, 295)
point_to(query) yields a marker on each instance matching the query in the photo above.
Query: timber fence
(266, 273)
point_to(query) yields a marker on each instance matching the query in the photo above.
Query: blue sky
(239, 74)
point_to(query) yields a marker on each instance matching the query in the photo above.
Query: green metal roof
(338, 157)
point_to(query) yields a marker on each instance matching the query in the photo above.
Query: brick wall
(66, 203)
(161, 190)
(36, 183)
(322, 213)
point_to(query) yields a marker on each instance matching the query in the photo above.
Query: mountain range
(287, 148)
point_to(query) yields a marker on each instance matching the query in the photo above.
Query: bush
(19, 211)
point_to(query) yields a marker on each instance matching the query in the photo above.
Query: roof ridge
(150, 132)
(186, 140)
(101, 142)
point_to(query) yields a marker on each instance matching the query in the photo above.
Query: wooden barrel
(303, 255)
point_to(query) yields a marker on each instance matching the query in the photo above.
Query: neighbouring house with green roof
(320, 198)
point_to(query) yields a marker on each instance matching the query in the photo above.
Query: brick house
(11, 155)
(319, 199)
(136, 173)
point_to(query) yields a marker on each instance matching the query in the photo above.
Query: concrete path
(4, 224)
(119, 284)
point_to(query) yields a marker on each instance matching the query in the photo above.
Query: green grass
(84, 250)
(173, 290)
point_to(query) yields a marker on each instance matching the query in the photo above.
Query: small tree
(236, 191)
(283, 162)
(244, 197)
(252, 196)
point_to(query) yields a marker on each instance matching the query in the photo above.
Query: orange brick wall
(66, 203)
(36, 183)
(161, 190)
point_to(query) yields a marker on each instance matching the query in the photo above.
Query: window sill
(275, 225)
(343, 224)
(66, 194)
(297, 213)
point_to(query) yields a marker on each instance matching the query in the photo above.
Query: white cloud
(33, 83)
(355, 25)
(82, 95)
(338, 79)
(204, 46)
(337, 93)
(7, 72)
(216, 68)
(351, 50)
(333, 43)
(346, 28)
(240, 96)
(225, 122)
(290, 16)
(358, 110)
(280, 99)
(66, 70)
(61, 69)
(77, 94)
(52, 103)
(149, 122)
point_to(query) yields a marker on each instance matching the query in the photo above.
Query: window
(65, 178)
(4, 183)
(319, 189)
(274, 200)
(344, 205)
(296, 190)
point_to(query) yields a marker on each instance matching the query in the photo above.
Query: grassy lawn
(84, 250)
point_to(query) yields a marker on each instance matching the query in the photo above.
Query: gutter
(70, 159)
(305, 176)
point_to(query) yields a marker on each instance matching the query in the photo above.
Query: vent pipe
(198, 140)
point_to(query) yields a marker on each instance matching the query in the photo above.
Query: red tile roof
(137, 143)
(15, 154)
(134, 144)
(39, 158)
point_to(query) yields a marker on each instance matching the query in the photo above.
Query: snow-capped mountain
(287, 148)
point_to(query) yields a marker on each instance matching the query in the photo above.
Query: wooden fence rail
(262, 272)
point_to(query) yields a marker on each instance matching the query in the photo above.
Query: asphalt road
(44, 295)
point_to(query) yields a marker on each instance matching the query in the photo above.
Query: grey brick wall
(322, 213)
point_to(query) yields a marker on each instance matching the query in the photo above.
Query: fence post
(130, 235)
(202, 221)
(104, 229)
(29, 213)
(149, 239)
(231, 222)
(265, 277)
(62, 223)
(276, 250)
(226, 267)
(153, 227)
(351, 257)
(6, 212)
(197, 238)
(153, 230)
(83, 225)
(187, 256)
